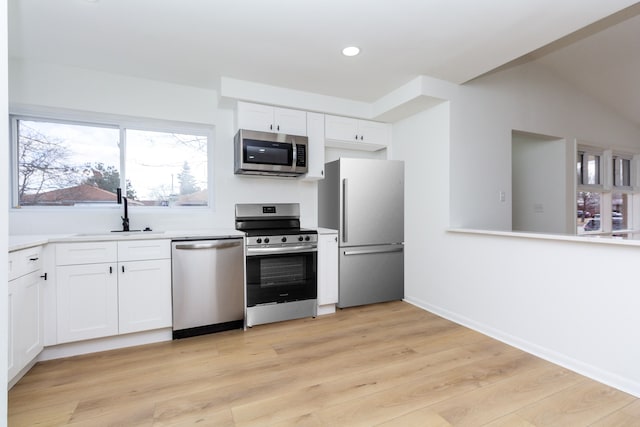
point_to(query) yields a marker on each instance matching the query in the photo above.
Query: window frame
(622, 156)
(108, 121)
(601, 168)
(607, 188)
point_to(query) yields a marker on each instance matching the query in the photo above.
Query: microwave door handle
(295, 154)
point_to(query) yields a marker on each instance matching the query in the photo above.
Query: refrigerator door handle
(345, 213)
(373, 251)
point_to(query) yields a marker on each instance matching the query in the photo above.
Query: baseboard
(593, 372)
(104, 344)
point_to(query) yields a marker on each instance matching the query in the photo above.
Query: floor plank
(388, 364)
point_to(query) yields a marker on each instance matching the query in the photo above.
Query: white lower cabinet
(24, 309)
(25, 321)
(87, 301)
(327, 268)
(124, 288)
(144, 297)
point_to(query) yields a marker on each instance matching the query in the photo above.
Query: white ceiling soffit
(292, 43)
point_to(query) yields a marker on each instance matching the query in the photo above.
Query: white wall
(4, 220)
(540, 186)
(75, 89)
(528, 99)
(555, 298)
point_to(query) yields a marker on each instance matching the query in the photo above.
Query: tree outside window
(70, 164)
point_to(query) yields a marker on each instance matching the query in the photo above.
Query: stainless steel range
(281, 263)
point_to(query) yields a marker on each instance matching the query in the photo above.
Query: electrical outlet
(502, 196)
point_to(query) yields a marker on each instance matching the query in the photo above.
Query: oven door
(276, 275)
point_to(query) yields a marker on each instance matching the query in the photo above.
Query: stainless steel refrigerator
(364, 200)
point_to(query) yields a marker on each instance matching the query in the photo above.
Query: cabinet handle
(270, 127)
(110, 270)
(123, 268)
(34, 259)
(361, 138)
(356, 137)
(278, 127)
(44, 276)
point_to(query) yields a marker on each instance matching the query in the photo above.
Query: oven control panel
(282, 240)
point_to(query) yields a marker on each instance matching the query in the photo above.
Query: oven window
(279, 271)
(281, 278)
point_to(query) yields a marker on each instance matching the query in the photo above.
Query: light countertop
(17, 242)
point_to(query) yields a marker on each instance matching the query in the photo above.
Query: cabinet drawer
(140, 250)
(86, 253)
(24, 261)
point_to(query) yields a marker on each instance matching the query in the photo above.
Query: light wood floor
(382, 365)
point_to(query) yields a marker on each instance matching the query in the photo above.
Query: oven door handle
(281, 250)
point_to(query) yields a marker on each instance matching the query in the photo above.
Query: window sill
(632, 239)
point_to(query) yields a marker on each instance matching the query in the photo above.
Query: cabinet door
(327, 269)
(341, 128)
(255, 117)
(86, 253)
(30, 324)
(144, 295)
(315, 150)
(26, 339)
(12, 311)
(374, 132)
(291, 122)
(87, 301)
(141, 250)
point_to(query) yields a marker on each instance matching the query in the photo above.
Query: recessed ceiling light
(351, 51)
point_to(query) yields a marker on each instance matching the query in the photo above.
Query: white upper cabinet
(315, 150)
(265, 118)
(370, 135)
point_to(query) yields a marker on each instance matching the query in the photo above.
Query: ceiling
(296, 44)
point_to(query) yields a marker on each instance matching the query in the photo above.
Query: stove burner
(279, 225)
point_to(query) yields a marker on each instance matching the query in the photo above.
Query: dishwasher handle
(214, 244)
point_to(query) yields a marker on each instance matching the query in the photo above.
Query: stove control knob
(284, 239)
(258, 240)
(307, 238)
(266, 240)
(300, 239)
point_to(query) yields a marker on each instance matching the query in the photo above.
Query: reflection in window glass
(619, 211)
(588, 169)
(621, 172)
(588, 211)
(167, 169)
(62, 164)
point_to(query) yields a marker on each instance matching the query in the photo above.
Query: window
(64, 163)
(588, 168)
(621, 171)
(589, 195)
(604, 199)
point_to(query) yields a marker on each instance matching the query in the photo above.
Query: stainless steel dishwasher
(208, 285)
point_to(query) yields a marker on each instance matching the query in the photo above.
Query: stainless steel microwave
(264, 153)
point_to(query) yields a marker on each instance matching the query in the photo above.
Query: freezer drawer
(371, 274)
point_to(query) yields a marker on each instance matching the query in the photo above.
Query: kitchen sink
(119, 233)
